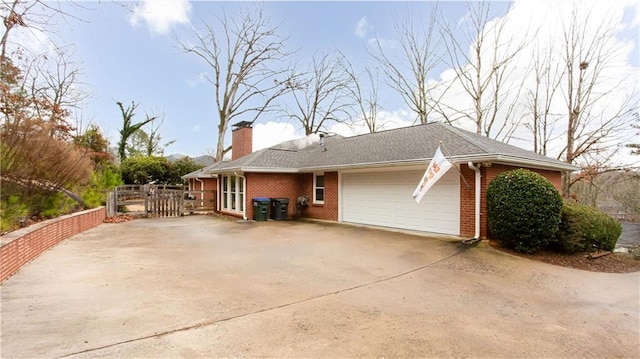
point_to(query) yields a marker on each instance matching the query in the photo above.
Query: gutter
(498, 159)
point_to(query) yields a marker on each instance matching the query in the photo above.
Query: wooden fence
(158, 200)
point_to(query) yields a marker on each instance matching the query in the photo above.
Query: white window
(233, 193)
(225, 192)
(318, 188)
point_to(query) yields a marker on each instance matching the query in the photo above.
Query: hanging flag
(437, 168)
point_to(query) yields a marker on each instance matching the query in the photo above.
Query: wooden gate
(164, 202)
(148, 200)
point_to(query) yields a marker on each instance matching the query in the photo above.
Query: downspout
(478, 197)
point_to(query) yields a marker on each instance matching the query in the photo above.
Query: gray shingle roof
(407, 145)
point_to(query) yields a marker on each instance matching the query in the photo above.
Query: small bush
(583, 228)
(49, 205)
(95, 194)
(12, 211)
(523, 210)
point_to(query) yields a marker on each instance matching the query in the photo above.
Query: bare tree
(596, 111)
(245, 56)
(320, 95)
(36, 15)
(543, 122)
(635, 147)
(366, 99)
(59, 82)
(408, 72)
(485, 73)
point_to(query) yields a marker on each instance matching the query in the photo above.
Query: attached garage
(384, 199)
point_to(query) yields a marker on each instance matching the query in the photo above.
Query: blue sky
(122, 61)
(127, 53)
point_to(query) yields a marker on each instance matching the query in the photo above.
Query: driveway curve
(206, 287)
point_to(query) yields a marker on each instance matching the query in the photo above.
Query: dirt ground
(611, 263)
(205, 287)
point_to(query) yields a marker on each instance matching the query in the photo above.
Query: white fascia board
(366, 165)
(506, 160)
(498, 159)
(267, 170)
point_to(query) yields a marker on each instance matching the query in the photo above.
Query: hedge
(584, 228)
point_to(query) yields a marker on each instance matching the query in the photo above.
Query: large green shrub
(141, 170)
(523, 210)
(585, 228)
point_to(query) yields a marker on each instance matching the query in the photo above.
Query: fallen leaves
(118, 219)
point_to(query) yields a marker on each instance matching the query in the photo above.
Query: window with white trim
(233, 193)
(318, 188)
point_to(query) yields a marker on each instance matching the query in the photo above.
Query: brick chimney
(241, 139)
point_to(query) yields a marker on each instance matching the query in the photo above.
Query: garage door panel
(384, 199)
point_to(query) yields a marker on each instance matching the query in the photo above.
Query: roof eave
(502, 159)
(201, 174)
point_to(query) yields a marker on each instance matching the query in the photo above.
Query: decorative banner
(437, 168)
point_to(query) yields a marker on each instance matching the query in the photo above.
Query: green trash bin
(261, 208)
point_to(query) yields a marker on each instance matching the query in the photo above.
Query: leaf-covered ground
(612, 263)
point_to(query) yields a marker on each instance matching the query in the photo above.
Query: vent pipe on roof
(322, 139)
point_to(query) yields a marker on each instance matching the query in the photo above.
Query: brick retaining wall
(20, 247)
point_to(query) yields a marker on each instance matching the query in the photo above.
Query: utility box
(279, 208)
(261, 208)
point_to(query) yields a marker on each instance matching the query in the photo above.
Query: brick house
(206, 183)
(369, 179)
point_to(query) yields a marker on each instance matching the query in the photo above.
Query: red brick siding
(272, 185)
(328, 210)
(209, 184)
(467, 201)
(20, 247)
(241, 142)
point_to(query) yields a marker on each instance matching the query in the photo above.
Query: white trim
(340, 197)
(324, 192)
(239, 205)
(503, 159)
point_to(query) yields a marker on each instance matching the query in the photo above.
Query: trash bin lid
(261, 199)
(282, 200)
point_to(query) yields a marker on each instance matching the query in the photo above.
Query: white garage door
(384, 199)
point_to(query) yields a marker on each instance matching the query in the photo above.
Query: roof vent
(322, 139)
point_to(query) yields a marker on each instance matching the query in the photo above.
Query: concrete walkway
(205, 287)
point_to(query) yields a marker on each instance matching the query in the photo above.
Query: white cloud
(363, 27)
(271, 133)
(200, 78)
(386, 120)
(161, 15)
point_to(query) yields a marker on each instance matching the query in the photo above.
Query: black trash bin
(261, 208)
(279, 208)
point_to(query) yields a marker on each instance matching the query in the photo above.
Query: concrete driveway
(206, 287)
